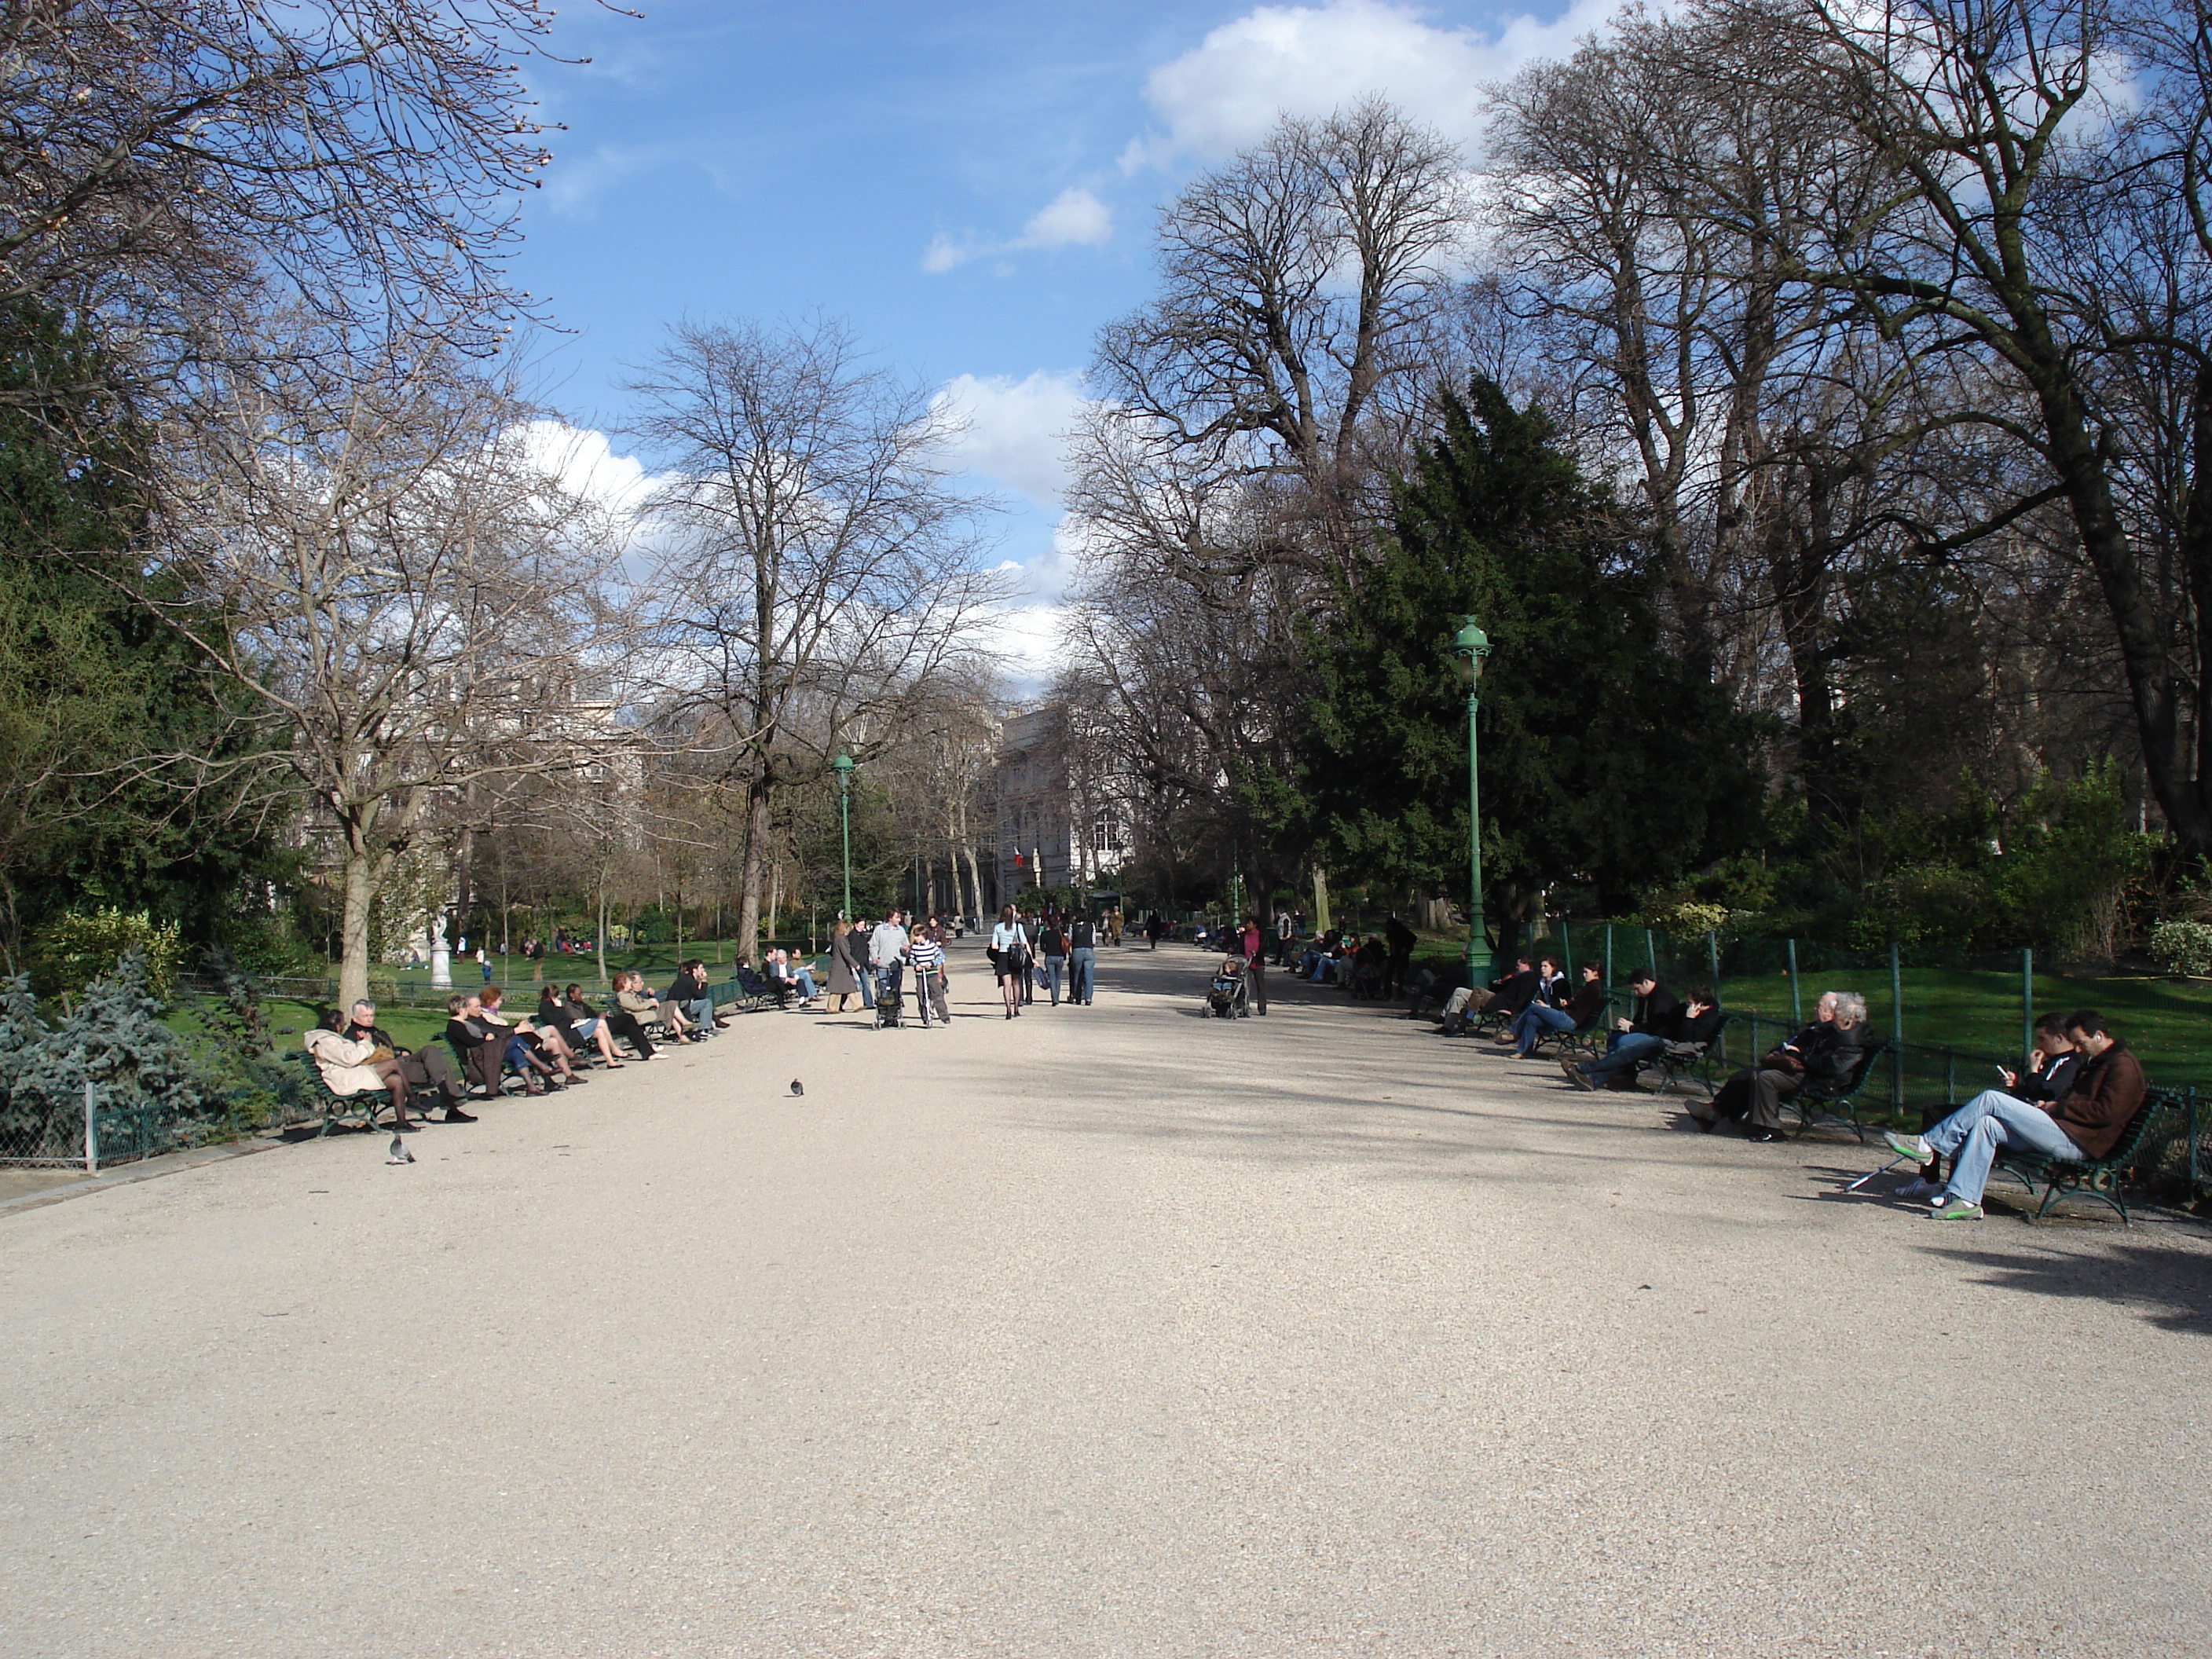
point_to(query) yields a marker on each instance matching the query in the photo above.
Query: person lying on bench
(1826, 1052)
(1509, 992)
(1697, 1022)
(2052, 1069)
(1635, 1039)
(2080, 1128)
(1540, 1019)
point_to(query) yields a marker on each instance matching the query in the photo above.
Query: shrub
(71, 951)
(2182, 947)
(1933, 904)
(1687, 919)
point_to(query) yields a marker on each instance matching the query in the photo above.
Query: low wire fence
(1953, 1022)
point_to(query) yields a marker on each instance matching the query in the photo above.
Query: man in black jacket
(2052, 1070)
(423, 1068)
(1826, 1052)
(1636, 1042)
(1399, 937)
(1509, 994)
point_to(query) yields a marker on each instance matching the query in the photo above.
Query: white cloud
(1228, 91)
(1074, 218)
(585, 464)
(1015, 428)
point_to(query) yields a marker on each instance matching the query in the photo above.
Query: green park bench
(360, 1110)
(2099, 1178)
(1835, 1105)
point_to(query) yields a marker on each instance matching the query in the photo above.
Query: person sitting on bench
(1540, 1019)
(1697, 1021)
(1826, 1052)
(1635, 1038)
(2080, 1128)
(1509, 992)
(426, 1070)
(2052, 1068)
(350, 1066)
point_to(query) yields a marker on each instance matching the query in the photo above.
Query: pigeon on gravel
(797, 1087)
(400, 1153)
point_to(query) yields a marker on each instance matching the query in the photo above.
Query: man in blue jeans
(1658, 1016)
(1082, 958)
(2082, 1125)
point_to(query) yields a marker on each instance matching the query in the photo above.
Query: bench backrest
(1844, 1089)
(2128, 1146)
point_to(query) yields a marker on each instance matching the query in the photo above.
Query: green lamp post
(1471, 645)
(842, 766)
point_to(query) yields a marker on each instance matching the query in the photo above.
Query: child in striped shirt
(928, 955)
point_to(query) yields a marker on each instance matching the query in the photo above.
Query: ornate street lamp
(1471, 645)
(842, 766)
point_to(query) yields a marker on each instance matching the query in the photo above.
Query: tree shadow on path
(2169, 1285)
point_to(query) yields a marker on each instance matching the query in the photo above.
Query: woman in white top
(1010, 957)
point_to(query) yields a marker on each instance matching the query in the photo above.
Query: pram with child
(1225, 997)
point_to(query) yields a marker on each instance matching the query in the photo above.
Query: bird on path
(400, 1154)
(797, 1087)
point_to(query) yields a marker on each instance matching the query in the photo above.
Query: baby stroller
(1225, 996)
(888, 1002)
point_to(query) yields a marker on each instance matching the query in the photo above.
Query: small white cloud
(1016, 430)
(1229, 89)
(943, 254)
(1073, 217)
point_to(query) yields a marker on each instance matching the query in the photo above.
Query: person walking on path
(1010, 959)
(928, 955)
(844, 971)
(1082, 958)
(1152, 930)
(1252, 946)
(1052, 946)
(1401, 939)
(887, 948)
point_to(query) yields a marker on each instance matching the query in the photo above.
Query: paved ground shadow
(2171, 1287)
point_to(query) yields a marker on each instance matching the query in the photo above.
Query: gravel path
(1107, 1331)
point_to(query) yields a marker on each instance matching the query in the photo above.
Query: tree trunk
(974, 878)
(363, 876)
(600, 937)
(748, 890)
(1320, 922)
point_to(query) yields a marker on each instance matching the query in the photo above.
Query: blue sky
(971, 184)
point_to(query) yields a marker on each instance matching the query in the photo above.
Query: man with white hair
(1827, 1051)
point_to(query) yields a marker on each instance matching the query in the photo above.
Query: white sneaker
(1920, 1189)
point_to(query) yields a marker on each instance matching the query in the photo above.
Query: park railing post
(1567, 948)
(1950, 1076)
(91, 1133)
(1609, 956)
(1896, 1031)
(2027, 1004)
(1651, 953)
(1713, 958)
(1796, 1003)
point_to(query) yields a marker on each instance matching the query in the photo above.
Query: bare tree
(411, 602)
(165, 162)
(822, 572)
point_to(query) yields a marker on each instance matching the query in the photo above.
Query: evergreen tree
(90, 684)
(1606, 764)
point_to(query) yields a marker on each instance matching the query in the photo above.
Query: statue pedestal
(442, 958)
